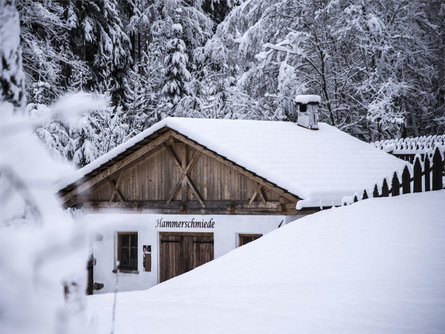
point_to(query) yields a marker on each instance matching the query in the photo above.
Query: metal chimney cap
(308, 99)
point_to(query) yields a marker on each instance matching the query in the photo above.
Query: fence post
(395, 185)
(437, 170)
(426, 167)
(406, 181)
(417, 176)
(375, 193)
(365, 195)
(385, 190)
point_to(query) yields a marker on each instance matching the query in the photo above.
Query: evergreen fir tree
(49, 61)
(99, 39)
(177, 76)
(11, 75)
(141, 100)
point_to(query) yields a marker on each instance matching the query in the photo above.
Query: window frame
(119, 249)
(254, 235)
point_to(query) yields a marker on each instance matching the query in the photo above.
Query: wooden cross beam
(185, 179)
(258, 192)
(116, 191)
(128, 161)
(230, 164)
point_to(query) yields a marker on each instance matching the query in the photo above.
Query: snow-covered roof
(305, 99)
(320, 167)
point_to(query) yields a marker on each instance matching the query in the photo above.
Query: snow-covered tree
(166, 34)
(378, 65)
(50, 63)
(218, 9)
(95, 132)
(375, 63)
(229, 56)
(99, 39)
(11, 74)
(176, 73)
(141, 98)
(40, 246)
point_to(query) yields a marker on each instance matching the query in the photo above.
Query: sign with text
(193, 223)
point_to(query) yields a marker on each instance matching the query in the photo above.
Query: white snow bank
(327, 164)
(377, 266)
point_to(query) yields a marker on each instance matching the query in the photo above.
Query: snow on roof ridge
(305, 99)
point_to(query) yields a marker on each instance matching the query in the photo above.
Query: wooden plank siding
(173, 174)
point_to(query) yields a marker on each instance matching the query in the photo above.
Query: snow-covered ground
(377, 266)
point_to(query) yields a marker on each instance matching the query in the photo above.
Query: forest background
(378, 65)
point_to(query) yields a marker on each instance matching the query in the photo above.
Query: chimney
(307, 110)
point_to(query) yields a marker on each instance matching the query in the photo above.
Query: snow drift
(377, 266)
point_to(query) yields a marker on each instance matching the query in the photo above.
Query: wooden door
(201, 248)
(171, 256)
(181, 252)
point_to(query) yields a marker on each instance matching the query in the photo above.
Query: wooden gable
(172, 174)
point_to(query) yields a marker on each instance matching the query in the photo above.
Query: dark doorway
(181, 252)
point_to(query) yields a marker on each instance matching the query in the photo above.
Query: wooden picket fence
(426, 174)
(407, 148)
(411, 145)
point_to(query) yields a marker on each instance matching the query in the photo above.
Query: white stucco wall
(105, 226)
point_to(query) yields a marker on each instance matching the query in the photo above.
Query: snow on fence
(407, 148)
(426, 174)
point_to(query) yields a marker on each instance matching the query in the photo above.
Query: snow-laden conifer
(11, 74)
(176, 73)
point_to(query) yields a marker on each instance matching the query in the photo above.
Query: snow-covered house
(185, 191)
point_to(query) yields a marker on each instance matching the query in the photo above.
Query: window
(246, 238)
(127, 251)
(146, 251)
(303, 107)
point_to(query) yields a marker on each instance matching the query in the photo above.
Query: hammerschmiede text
(193, 223)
